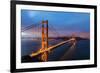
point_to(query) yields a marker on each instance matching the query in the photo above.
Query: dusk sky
(65, 23)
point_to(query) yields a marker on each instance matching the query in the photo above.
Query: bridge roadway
(52, 47)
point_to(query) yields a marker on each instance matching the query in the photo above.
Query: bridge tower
(44, 56)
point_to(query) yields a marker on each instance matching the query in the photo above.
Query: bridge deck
(52, 47)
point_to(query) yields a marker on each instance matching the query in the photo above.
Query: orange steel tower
(44, 55)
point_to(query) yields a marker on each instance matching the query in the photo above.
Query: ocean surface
(80, 52)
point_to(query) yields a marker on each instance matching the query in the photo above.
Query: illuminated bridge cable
(51, 27)
(29, 27)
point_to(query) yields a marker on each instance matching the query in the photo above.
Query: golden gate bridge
(45, 49)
